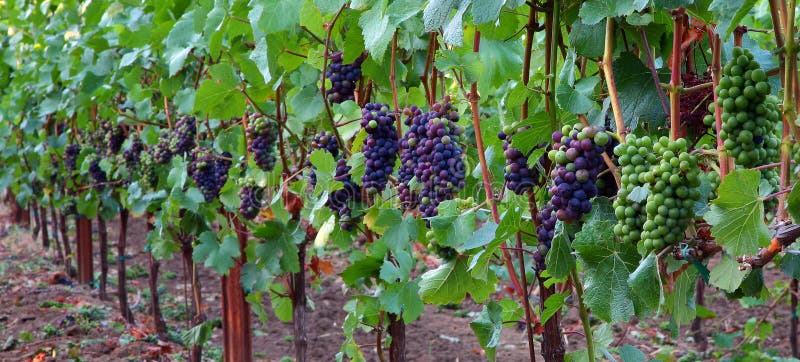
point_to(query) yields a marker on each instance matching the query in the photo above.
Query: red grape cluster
(519, 176)
(408, 155)
(577, 156)
(343, 78)
(261, 143)
(339, 201)
(209, 171)
(99, 177)
(111, 136)
(545, 230)
(134, 152)
(71, 156)
(380, 147)
(162, 153)
(252, 197)
(183, 136)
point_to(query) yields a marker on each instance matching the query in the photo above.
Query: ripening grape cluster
(437, 158)
(339, 200)
(209, 171)
(635, 157)
(99, 177)
(749, 112)
(71, 156)
(183, 136)
(147, 170)
(162, 153)
(111, 137)
(519, 176)
(380, 146)
(577, 159)
(261, 143)
(252, 197)
(545, 231)
(674, 183)
(344, 78)
(134, 153)
(322, 141)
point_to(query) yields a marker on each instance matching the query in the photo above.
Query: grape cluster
(343, 78)
(133, 153)
(772, 178)
(252, 197)
(380, 146)
(545, 230)
(339, 201)
(112, 137)
(71, 156)
(261, 143)
(147, 171)
(99, 177)
(749, 112)
(674, 182)
(209, 171)
(183, 136)
(519, 176)
(440, 165)
(576, 154)
(635, 158)
(162, 153)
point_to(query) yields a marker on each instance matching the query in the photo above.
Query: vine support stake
(83, 230)
(122, 288)
(608, 73)
(237, 333)
(102, 233)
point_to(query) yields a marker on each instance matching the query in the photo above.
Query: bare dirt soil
(44, 315)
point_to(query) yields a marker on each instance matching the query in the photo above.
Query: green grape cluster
(674, 183)
(771, 177)
(635, 158)
(749, 112)
(715, 180)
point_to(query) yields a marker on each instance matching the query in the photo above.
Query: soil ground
(44, 315)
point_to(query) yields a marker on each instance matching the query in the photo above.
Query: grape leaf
(484, 235)
(630, 353)
(487, 327)
(737, 215)
(217, 255)
(729, 13)
(588, 40)
(794, 204)
(552, 306)
(790, 265)
(726, 274)
(592, 11)
(608, 265)
(639, 99)
(559, 260)
(450, 283)
(486, 10)
(577, 100)
(645, 284)
(403, 299)
(680, 301)
(453, 231)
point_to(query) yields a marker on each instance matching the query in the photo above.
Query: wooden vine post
(83, 227)
(237, 334)
(155, 307)
(122, 288)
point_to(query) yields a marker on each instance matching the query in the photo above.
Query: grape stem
(779, 193)
(393, 82)
(789, 65)
(608, 73)
(716, 71)
(584, 313)
(675, 132)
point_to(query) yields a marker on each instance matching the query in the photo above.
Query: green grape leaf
(484, 235)
(577, 100)
(680, 301)
(639, 193)
(360, 269)
(726, 274)
(436, 13)
(377, 30)
(588, 40)
(639, 99)
(307, 104)
(487, 327)
(512, 310)
(281, 305)
(793, 206)
(607, 265)
(729, 13)
(453, 231)
(450, 283)
(217, 255)
(276, 15)
(220, 96)
(737, 215)
(790, 265)
(592, 11)
(630, 353)
(552, 306)
(645, 286)
(403, 299)
(559, 260)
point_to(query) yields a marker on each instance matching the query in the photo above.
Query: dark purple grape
(209, 171)
(344, 78)
(71, 156)
(99, 177)
(183, 136)
(322, 141)
(545, 230)
(380, 146)
(261, 139)
(252, 198)
(162, 153)
(134, 153)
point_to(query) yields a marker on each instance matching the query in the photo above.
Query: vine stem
(716, 72)
(789, 111)
(393, 82)
(608, 73)
(584, 313)
(653, 73)
(675, 131)
(487, 187)
(329, 30)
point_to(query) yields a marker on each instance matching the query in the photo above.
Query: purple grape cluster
(576, 154)
(209, 171)
(134, 153)
(113, 137)
(252, 197)
(71, 156)
(147, 171)
(545, 230)
(261, 143)
(339, 201)
(519, 176)
(408, 156)
(183, 136)
(440, 165)
(162, 153)
(322, 141)
(380, 147)
(343, 78)
(99, 177)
